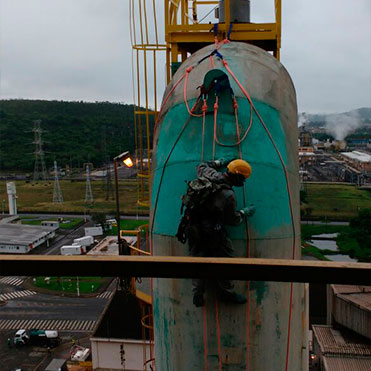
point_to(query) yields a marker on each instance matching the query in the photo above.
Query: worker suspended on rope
(210, 205)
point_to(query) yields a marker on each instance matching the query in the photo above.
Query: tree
(99, 218)
(361, 228)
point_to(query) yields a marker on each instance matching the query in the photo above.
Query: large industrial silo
(264, 334)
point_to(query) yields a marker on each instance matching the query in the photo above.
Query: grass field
(128, 224)
(336, 202)
(70, 223)
(36, 197)
(326, 202)
(86, 285)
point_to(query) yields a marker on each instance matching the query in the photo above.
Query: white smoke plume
(302, 119)
(340, 125)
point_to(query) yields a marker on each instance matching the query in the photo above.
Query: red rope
(290, 202)
(205, 335)
(216, 298)
(289, 328)
(218, 332)
(204, 109)
(235, 106)
(165, 101)
(215, 119)
(190, 111)
(239, 141)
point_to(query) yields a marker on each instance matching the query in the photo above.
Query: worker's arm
(231, 215)
(209, 171)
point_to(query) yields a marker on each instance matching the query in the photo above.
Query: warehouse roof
(346, 363)
(20, 234)
(357, 155)
(350, 289)
(359, 296)
(332, 342)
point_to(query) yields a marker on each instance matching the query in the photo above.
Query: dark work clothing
(207, 236)
(222, 206)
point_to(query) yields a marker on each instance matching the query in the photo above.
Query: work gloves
(248, 211)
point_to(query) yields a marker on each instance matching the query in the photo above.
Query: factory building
(346, 344)
(123, 336)
(21, 239)
(338, 352)
(119, 341)
(50, 223)
(359, 160)
(307, 156)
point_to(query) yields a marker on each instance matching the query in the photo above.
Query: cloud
(341, 125)
(80, 50)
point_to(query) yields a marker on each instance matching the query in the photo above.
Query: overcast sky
(80, 50)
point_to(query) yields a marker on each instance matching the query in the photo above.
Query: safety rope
(289, 196)
(204, 310)
(190, 111)
(218, 331)
(239, 141)
(204, 109)
(215, 118)
(165, 101)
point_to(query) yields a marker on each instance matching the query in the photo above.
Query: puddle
(324, 244)
(340, 258)
(326, 235)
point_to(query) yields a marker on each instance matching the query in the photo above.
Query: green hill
(75, 132)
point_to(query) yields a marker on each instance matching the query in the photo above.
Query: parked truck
(73, 250)
(94, 231)
(36, 337)
(84, 241)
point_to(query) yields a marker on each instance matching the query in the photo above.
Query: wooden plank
(187, 267)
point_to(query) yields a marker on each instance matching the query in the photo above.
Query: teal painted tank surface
(253, 336)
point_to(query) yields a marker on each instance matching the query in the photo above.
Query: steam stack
(12, 197)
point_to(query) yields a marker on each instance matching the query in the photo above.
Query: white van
(73, 250)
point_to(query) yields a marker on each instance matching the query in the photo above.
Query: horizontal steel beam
(187, 267)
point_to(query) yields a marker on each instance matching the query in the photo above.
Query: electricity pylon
(89, 199)
(40, 171)
(57, 194)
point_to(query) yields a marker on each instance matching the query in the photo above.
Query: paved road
(56, 325)
(323, 223)
(30, 306)
(67, 239)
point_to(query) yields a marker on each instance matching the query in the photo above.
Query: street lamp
(125, 158)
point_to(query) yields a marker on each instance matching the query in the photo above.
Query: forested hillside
(75, 132)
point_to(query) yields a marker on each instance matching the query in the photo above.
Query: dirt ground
(32, 358)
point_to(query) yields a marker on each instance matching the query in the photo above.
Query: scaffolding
(147, 51)
(185, 32)
(189, 25)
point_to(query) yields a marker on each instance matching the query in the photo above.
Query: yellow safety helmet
(239, 167)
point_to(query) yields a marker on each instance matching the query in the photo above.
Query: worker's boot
(198, 300)
(232, 297)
